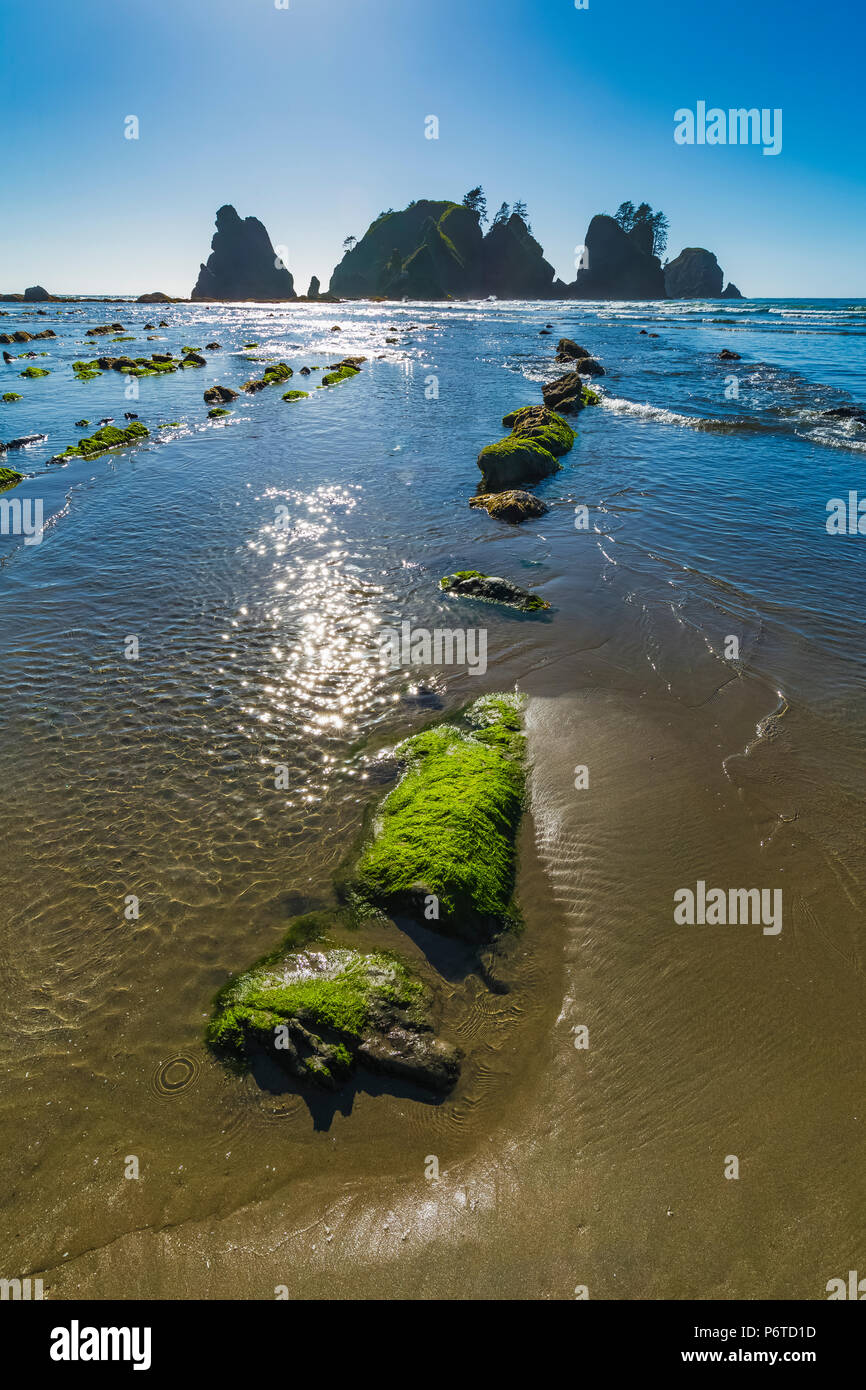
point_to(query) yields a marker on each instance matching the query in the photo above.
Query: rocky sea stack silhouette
(243, 264)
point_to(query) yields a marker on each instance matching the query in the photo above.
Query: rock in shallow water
(321, 1012)
(514, 505)
(492, 588)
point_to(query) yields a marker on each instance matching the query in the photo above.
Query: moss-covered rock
(513, 506)
(9, 478)
(568, 393)
(448, 829)
(491, 588)
(81, 424)
(272, 376)
(34, 372)
(344, 371)
(219, 395)
(321, 1011)
(513, 460)
(109, 437)
(9, 397)
(543, 425)
(296, 395)
(217, 411)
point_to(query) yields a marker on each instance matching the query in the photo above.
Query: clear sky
(313, 119)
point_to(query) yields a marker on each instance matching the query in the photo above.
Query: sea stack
(618, 266)
(694, 274)
(243, 263)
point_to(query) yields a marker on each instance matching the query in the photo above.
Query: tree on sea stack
(476, 202)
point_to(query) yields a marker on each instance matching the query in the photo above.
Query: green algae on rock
(296, 395)
(543, 425)
(34, 372)
(9, 477)
(109, 437)
(217, 411)
(447, 831)
(322, 1010)
(492, 589)
(513, 506)
(272, 376)
(10, 396)
(514, 460)
(344, 371)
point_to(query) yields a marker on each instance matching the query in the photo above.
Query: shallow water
(257, 648)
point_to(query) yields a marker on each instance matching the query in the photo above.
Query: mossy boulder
(322, 1011)
(513, 506)
(491, 588)
(9, 397)
(9, 478)
(272, 376)
(543, 425)
(296, 395)
(217, 412)
(513, 460)
(344, 371)
(31, 372)
(448, 830)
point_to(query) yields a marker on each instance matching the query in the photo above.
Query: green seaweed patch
(9, 478)
(250, 345)
(272, 376)
(109, 437)
(172, 425)
(122, 340)
(543, 426)
(81, 424)
(296, 395)
(332, 378)
(10, 396)
(217, 411)
(448, 828)
(32, 372)
(589, 397)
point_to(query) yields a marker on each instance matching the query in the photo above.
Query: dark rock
(218, 395)
(163, 357)
(693, 274)
(157, 297)
(846, 412)
(129, 415)
(149, 325)
(105, 328)
(513, 460)
(514, 506)
(213, 347)
(727, 356)
(24, 440)
(315, 288)
(242, 263)
(567, 393)
(618, 266)
(492, 588)
(163, 323)
(567, 349)
(305, 371)
(7, 357)
(21, 336)
(194, 359)
(36, 294)
(643, 332)
(731, 292)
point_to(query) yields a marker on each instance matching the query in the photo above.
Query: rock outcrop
(157, 297)
(618, 266)
(243, 263)
(315, 288)
(731, 292)
(694, 274)
(514, 506)
(433, 250)
(35, 294)
(492, 589)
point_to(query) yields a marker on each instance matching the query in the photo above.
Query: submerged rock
(213, 347)
(727, 356)
(846, 412)
(272, 376)
(513, 506)
(322, 1011)
(216, 395)
(105, 328)
(23, 441)
(106, 438)
(492, 588)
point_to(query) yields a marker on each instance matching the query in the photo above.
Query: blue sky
(312, 118)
